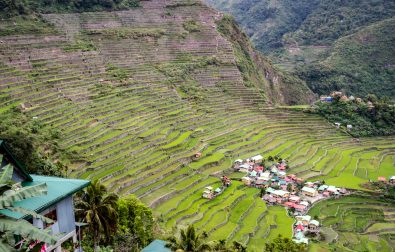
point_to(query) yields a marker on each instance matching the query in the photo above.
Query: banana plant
(10, 193)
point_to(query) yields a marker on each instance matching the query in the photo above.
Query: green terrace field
(356, 223)
(136, 96)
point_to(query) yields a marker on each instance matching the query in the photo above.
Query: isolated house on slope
(57, 204)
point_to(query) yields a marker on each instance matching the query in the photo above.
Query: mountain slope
(318, 41)
(280, 87)
(135, 94)
(331, 20)
(361, 63)
(267, 21)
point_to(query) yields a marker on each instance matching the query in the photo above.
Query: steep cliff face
(256, 70)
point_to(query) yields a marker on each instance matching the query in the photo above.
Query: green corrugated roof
(156, 246)
(58, 189)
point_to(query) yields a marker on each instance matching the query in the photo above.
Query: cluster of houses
(300, 200)
(304, 224)
(287, 190)
(337, 95)
(342, 97)
(391, 180)
(259, 176)
(210, 193)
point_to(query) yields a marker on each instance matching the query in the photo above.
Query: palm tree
(237, 246)
(220, 246)
(189, 241)
(10, 193)
(98, 208)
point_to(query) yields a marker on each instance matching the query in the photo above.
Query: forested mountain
(361, 63)
(267, 21)
(331, 44)
(9, 8)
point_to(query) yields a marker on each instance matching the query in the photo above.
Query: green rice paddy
(360, 223)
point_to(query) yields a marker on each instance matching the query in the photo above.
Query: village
(279, 188)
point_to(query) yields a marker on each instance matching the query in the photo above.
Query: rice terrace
(159, 101)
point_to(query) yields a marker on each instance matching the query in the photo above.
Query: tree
(281, 244)
(189, 241)
(31, 142)
(289, 187)
(135, 221)
(262, 192)
(99, 209)
(10, 193)
(237, 246)
(220, 246)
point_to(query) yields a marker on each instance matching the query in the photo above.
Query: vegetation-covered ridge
(360, 63)
(332, 45)
(9, 8)
(368, 117)
(32, 142)
(332, 20)
(267, 21)
(257, 71)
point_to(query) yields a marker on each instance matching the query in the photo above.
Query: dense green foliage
(368, 118)
(136, 221)
(33, 143)
(334, 19)
(284, 244)
(124, 224)
(9, 227)
(386, 189)
(306, 22)
(361, 63)
(98, 208)
(21, 7)
(332, 45)
(228, 27)
(190, 241)
(266, 22)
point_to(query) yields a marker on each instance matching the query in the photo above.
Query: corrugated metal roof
(308, 189)
(156, 246)
(58, 189)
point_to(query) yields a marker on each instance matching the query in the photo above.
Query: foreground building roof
(58, 189)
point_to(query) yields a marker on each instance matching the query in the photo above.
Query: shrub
(191, 26)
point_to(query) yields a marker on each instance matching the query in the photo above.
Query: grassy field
(124, 121)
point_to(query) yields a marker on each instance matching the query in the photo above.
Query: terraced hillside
(357, 223)
(137, 93)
